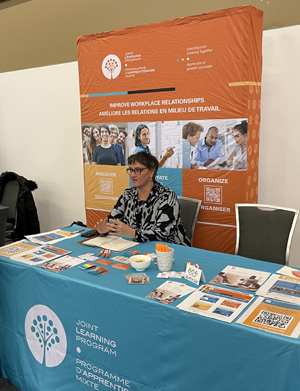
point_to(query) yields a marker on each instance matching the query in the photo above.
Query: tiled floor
(5, 385)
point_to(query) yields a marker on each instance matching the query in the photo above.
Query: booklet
(216, 302)
(241, 278)
(113, 243)
(51, 236)
(16, 248)
(273, 316)
(39, 255)
(170, 291)
(281, 288)
(61, 264)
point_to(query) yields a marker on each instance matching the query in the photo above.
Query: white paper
(216, 302)
(61, 264)
(281, 288)
(39, 255)
(241, 278)
(113, 243)
(170, 291)
(216, 162)
(289, 271)
(51, 237)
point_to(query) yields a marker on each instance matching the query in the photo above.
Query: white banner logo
(111, 66)
(45, 336)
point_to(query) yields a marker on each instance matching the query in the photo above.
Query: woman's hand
(117, 227)
(101, 226)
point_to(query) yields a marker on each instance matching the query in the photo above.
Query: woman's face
(142, 179)
(113, 135)
(239, 138)
(144, 136)
(96, 134)
(104, 134)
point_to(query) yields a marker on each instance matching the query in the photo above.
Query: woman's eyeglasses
(137, 171)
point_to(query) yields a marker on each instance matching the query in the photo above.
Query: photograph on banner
(104, 144)
(197, 144)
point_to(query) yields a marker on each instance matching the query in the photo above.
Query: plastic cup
(165, 260)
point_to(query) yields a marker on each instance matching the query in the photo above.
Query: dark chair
(9, 198)
(189, 209)
(3, 220)
(264, 232)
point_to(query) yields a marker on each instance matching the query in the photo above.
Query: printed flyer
(217, 303)
(242, 278)
(282, 288)
(274, 316)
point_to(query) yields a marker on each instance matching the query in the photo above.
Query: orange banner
(202, 71)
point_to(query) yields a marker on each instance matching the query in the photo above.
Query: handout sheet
(216, 302)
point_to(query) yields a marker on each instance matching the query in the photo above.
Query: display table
(101, 333)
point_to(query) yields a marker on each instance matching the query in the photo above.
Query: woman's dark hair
(93, 141)
(242, 127)
(105, 127)
(138, 133)
(146, 159)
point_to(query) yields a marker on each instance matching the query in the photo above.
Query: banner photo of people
(187, 91)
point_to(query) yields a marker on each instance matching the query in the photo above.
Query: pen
(77, 232)
(100, 253)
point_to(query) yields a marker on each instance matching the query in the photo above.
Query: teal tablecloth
(74, 331)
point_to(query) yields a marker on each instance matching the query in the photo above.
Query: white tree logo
(45, 336)
(111, 66)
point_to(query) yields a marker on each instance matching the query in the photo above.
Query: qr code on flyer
(12, 250)
(213, 194)
(274, 320)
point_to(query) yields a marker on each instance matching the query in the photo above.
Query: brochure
(281, 288)
(113, 243)
(216, 302)
(289, 271)
(61, 264)
(39, 255)
(274, 316)
(15, 248)
(170, 291)
(137, 278)
(51, 236)
(241, 278)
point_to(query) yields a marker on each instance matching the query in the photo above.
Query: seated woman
(106, 153)
(148, 211)
(142, 139)
(239, 155)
